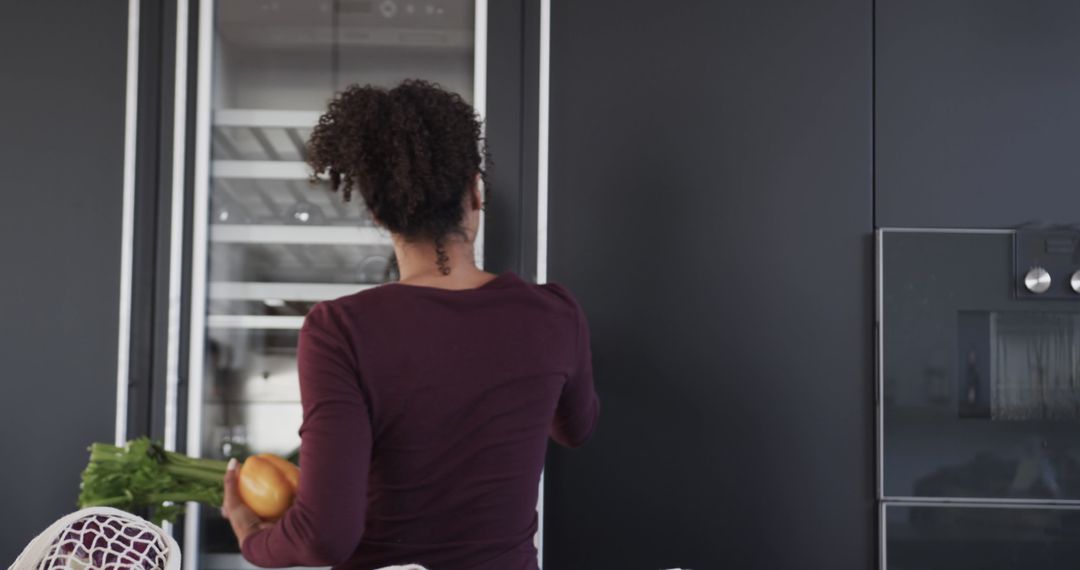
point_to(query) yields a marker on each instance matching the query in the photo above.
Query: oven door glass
(980, 387)
(947, 537)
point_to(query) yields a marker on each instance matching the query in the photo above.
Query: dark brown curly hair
(413, 152)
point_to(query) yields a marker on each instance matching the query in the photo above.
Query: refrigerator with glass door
(267, 241)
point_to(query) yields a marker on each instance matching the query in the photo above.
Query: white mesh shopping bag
(100, 538)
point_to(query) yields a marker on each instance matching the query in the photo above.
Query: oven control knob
(1037, 280)
(1075, 282)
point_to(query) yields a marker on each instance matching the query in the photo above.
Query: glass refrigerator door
(269, 242)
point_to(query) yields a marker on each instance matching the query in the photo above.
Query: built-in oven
(978, 398)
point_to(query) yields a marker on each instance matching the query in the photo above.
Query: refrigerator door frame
(131, 110)
(543, 134)
(199, 236)
(186, 424)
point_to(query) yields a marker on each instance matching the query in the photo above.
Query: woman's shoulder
(559, 291)
(337, 312)
(560, 295)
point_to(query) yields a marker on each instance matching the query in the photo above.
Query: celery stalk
(142, 475)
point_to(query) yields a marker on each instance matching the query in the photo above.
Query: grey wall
(711, 206)
(62, 120)
(977, 114)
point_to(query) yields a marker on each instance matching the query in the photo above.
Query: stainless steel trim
(542, 143)
(970, 501)
(480, 41)
(882, 542)
(176, 233)
(543, 112)
(200, 219)
(948, 230)
(879, 387)
(879, 306)
(127, 224)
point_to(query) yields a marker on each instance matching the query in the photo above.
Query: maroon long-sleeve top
(426, 419)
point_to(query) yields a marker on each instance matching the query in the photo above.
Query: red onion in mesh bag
(100, 538)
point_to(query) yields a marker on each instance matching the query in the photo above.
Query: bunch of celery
(143, 475)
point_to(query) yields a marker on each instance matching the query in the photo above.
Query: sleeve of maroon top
(579, 407)
(326, 521)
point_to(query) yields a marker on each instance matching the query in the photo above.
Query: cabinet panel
(976, 112)
(710, 205)
(63, 158)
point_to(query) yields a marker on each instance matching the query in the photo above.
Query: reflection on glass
(1036, 373)
(225, 212)
(373, 269)
(980, 390)
(305, 213)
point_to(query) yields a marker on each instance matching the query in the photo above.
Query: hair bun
(412, 152)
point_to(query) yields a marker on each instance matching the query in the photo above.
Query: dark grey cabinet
(976, 112)
(62, 117)
(711, 206)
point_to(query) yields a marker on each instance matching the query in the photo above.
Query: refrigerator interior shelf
(254, 322)
(265, 118)
(256, 291)
(260, 169)
(298, 234)
(273, 37)
(248, 136)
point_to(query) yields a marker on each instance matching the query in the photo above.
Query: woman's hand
(244, 521)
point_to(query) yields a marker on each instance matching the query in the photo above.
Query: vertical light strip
(480, 42)
(540, 523)
(542, 140)
(542, 203)
(200, 218)
(176, 233)
(882, 518)
(127, 224)
(879, 372)
(879, 388)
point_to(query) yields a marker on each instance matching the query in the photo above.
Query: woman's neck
(419, 264)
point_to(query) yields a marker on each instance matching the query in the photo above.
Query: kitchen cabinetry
(710, 182)
(976, 114)
(60, 240)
